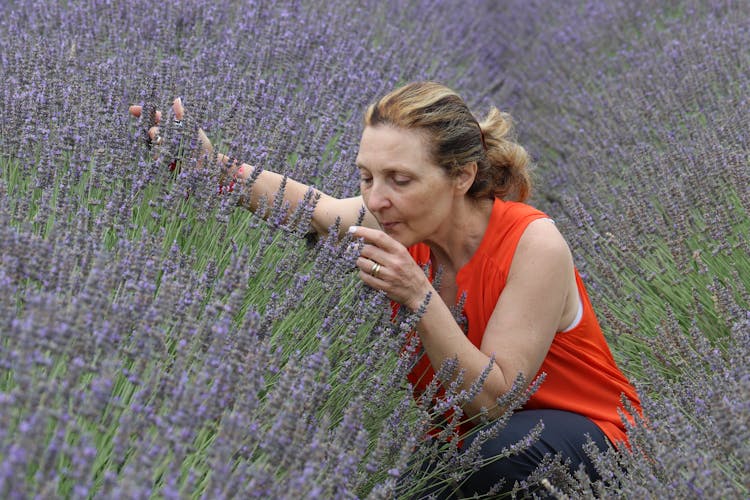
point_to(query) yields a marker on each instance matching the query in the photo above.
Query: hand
(385, 264)
(178, 111)
(153, 131)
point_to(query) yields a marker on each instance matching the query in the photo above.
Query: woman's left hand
(385, 264)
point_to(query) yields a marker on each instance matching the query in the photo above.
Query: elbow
(497, 396)
(484, 406)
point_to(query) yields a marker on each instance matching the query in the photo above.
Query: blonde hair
(457, 138)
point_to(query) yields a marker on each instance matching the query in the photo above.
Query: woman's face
(409, 195)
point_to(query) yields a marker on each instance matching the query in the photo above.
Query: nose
(377, 197)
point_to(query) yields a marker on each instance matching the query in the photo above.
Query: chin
(398, 234)
(404, 240)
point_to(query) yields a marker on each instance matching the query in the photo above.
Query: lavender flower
(158, 341)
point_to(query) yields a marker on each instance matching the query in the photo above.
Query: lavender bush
(156, 341)
(159, 342)
(639, 113)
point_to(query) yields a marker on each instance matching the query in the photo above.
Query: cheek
(365, 193)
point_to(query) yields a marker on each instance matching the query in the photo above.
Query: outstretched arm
(327, 210)
(267, 183)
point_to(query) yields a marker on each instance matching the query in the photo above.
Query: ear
(465, 177)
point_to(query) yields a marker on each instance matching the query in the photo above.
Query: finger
(371, 267)
(178, 108)
(373, 281)
(375, 254)
(206, 146)
(364, 264)
(137, 110)
(153, 133)
(375, 237)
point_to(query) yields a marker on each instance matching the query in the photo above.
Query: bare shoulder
(543, 245)
(543, 233)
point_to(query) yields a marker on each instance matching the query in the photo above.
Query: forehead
(387, 146)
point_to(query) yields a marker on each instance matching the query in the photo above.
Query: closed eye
(401, 180)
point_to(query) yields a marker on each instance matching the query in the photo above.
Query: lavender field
(158, 342)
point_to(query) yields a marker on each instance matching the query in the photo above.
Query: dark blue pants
(564, 432)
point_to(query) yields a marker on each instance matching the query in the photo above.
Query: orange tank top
(581, 374)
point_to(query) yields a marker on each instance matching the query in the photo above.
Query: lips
(387, 226)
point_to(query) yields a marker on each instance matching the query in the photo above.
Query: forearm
(443, 339)
(265, 185)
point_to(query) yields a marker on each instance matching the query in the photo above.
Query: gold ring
(375, 270)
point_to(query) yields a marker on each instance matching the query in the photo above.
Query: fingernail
(353, 229)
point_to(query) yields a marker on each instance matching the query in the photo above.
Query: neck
(455, 243)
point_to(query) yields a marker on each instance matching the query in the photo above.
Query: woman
(439, 187)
